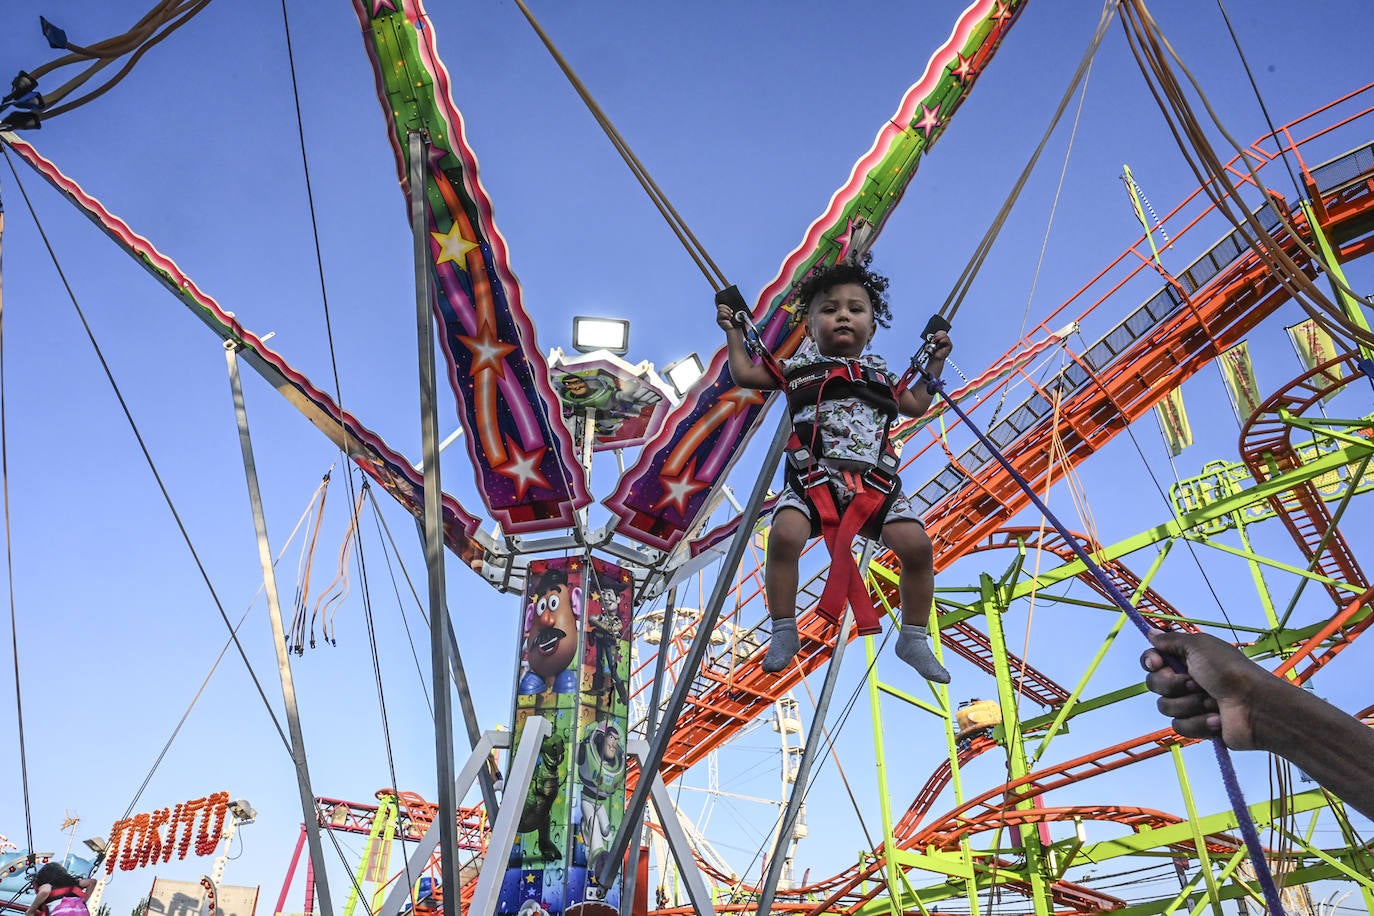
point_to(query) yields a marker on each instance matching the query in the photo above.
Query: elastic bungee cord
(1224, 763)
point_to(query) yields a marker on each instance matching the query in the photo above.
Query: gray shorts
(901, 509)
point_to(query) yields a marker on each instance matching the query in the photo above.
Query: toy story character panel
(553, 612)
(575, 664)
(601, 781)
(624, 408)
(608, 632)
(550, 634)
(602, 726)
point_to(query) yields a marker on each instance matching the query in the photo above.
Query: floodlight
(611, 334)
(243, 811)
(97, 845)
(684, 373)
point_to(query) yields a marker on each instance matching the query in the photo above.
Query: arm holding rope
(915, 400)
(1224, 694)
(731, 315)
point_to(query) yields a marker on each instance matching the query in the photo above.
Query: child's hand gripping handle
(731, 298)
(935, 325)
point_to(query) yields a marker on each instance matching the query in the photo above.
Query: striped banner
(660, 499)
(528, 472)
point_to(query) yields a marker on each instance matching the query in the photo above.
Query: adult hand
(1224, 693)
(1219, 693)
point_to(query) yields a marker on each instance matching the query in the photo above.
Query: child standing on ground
(842, 307)
(57, 892)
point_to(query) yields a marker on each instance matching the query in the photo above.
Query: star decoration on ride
(741, 399)
(378, 6)
(437, 152)
(1001, 13)
(488, 352)
(453, 247)
(844, 239)
(929, 120)
(963, 71)
(677, 490)
(523, 469)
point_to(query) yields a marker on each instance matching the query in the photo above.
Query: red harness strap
(845, 582)
(839, 528)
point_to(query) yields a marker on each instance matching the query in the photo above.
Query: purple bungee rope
(1228, 769)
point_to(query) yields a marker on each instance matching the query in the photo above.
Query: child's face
(841, 320)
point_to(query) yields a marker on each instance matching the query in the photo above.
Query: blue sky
(748, 115)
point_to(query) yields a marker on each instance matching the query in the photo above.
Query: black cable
(314, 224)
(9, 566)
(395, 587)
(167, 746)
(147, 455)
(214, 666)
(1273, 131)
(338, 391)
(381, 693)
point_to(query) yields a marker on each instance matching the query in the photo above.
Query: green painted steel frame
(965, 873)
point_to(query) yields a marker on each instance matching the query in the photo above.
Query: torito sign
(150, 838)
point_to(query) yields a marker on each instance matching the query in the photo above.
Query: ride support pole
(649, 764)
(269, 582)
(434, 535)
(813, 743)
(650, 728)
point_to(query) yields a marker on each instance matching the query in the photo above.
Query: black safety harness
(872, 490)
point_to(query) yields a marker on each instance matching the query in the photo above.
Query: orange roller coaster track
(1106, 388)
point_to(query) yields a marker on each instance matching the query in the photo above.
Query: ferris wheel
(750, 751)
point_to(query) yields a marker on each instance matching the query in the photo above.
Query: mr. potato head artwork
(552, 616)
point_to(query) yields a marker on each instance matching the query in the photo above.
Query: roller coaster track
(937, 782)
(1111, 391)
(1150, 602)
(1267, 449)
(972, 644)
(1318, 648)
(995, 807)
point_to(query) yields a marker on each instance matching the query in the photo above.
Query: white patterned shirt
(850, 430)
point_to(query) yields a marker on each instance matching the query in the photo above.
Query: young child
(59, 893)
(843, 305)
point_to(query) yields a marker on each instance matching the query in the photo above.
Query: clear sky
(748, 115)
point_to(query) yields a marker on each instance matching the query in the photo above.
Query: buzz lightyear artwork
(575, 624)
(601, 775)
(622, 408)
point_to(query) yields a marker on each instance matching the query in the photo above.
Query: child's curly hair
(875, 284)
